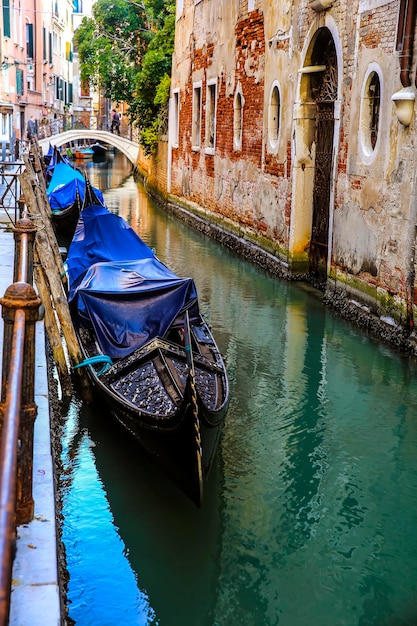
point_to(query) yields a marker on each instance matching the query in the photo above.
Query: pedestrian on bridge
(115, 122)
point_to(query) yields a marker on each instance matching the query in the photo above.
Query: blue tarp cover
(119, 285)
(63, 186)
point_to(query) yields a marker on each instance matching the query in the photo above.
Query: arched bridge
(129, 148)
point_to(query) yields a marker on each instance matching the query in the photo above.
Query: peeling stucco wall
(267, 186)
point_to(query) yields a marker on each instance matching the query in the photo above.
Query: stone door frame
(304, 145)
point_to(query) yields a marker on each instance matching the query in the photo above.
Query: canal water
(310, 511)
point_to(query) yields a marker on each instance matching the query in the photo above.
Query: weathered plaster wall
(371, 237)
(266, 187)
(231, 182)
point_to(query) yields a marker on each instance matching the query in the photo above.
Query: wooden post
(53, 269)
(52, 329)
(39, 207)
(37, 163)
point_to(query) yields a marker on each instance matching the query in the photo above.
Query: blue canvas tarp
(120, 287)
(63, 186)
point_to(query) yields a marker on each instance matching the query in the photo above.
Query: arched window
(370, 111)
(238, 121)
(374, 95)
(274, 114)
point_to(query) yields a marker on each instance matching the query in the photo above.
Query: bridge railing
(79, 121)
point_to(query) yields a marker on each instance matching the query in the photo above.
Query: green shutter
(19, 82)
(6, 17)
(29, 41)
(44, 43)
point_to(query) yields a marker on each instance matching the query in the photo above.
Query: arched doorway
(316, 117)
(324, 87)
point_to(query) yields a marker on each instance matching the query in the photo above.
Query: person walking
(32, 129)
(115, 122)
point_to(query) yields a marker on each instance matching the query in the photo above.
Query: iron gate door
(321, 192)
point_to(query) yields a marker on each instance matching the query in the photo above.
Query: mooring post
(21, 206)
(21, 296)
(24, 233)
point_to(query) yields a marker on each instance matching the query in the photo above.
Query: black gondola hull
(65, 221)
(150, 395)
(152, 358)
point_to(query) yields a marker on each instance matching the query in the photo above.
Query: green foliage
(126, 50)
(162, 92)
(149, 138)
(153, 83)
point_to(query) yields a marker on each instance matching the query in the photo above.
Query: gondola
(98, 149)
(151, 357)
(65, 193)
(84, 153)
(54, 159)
(48, 156)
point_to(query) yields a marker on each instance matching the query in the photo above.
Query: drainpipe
(405, 39)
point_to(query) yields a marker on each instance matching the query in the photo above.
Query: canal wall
(288, 132)
(288, 120)
(353, 304)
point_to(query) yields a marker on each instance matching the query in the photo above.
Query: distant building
(35, 65)
(294, 122)
(90, 108)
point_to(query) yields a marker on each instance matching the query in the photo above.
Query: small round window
(274, 116)
(371, 110)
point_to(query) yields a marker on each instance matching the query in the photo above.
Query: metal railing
(10, 190)
(18, 409)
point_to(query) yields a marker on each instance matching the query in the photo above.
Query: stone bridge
(129, 148)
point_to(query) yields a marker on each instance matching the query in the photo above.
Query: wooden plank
(45, 244)
(40, 212)
(51, 327)
(37, 162)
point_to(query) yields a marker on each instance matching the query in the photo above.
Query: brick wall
(254, 185)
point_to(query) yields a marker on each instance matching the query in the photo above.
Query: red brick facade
(269, 186)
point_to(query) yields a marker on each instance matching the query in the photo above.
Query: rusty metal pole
(21, 295)
(9, 414)
(24, 233)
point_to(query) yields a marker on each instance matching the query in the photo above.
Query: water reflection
(310, 515)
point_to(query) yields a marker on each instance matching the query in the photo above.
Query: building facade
(36, 75)
(293, 123)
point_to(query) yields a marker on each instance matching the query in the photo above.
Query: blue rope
(99, 358)
(65, 272)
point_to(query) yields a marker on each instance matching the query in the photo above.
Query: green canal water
(310, 511)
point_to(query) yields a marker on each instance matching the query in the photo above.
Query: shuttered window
(44, 44)
(19, 82)
(6, 17)
(29, 41)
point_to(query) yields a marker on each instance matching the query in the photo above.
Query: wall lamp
(5, 64)
(404, 105)
(320, 5)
